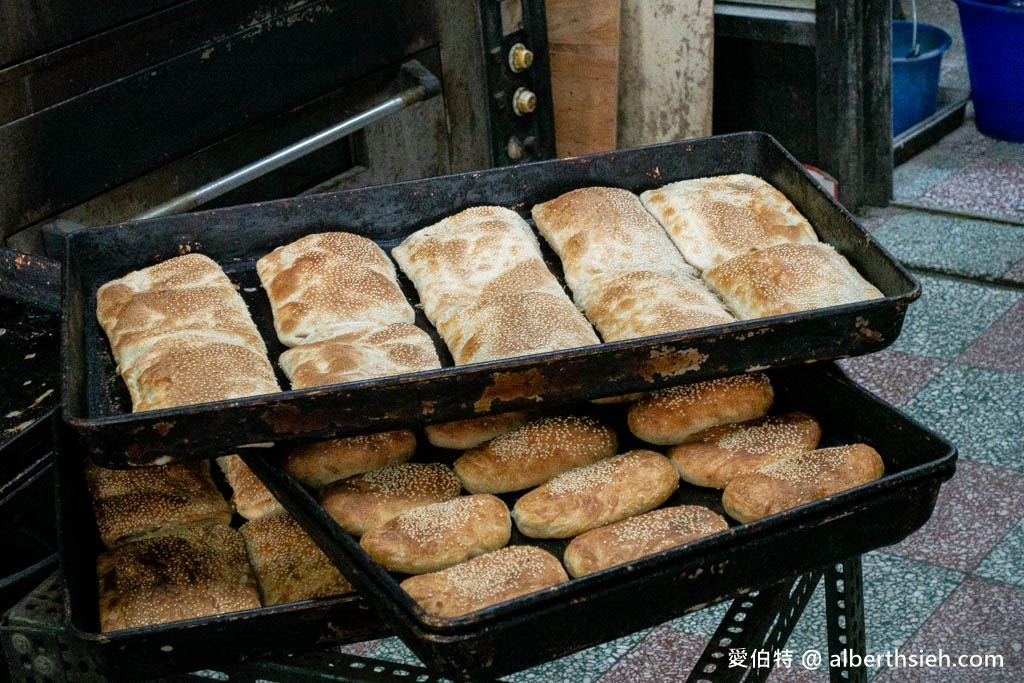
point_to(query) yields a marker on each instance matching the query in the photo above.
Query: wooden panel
(583, 43)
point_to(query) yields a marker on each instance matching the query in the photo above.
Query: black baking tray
(185, 645)
(621, 600)
(96, 404)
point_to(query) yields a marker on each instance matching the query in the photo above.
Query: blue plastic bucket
(994, 39)
(915, 79)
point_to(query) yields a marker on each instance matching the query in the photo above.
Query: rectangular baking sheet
(583, 612)
(96, 404)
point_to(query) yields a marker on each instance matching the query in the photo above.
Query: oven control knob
(520, 58)
(524, 101)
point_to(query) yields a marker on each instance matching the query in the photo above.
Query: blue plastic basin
(915, 79)
(994, 40)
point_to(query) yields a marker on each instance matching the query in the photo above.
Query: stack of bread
(181, 334)
(753, 248)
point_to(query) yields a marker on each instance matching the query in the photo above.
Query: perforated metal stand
(37, 647)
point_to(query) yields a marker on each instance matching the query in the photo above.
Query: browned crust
(534, 453)
(671, 416)
(800, 479)
(318, 464)
(487, 580)
(250, 497)
(465, 434)
(192, 573)
(288, 564)
(436, 536)
(716, 456)
(636, 537)
(366, 501)
(133, 504)
(587, 497)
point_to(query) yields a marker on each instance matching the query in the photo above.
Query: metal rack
(38, 648)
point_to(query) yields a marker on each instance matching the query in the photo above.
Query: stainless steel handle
(427, 86)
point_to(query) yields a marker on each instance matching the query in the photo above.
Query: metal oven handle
(427, 86)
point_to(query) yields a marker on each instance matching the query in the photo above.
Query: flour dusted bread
(328, 283)
(716, 456)
(714, 219)
(137, 503)
(368, 352)
(636, 537)
(367, 501)
(671, 416)
(598, 230)
(464, 434)
(318, 464)
(799, 479)
(181, 335)
(192, 573)
(624, 271)
(787, 279)
(436, 536)
(482, 282)
(485, 581)
(534, 453)
(587, 497)
(288, 564)
(250, 497)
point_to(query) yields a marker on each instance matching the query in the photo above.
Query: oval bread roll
(640, 536)
(671, 416)
(464, 434)
(587, 497)
(486, 580)
(716, 456)
(534, 453)
(318, 464)
(366, 501)
(800, 479)
(437, 536)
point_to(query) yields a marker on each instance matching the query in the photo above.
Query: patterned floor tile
(361, 649)
(972, 248)
(980, 617)
(974, 511)
(702, 623)
(581, 667)
(966, 140)
(1016, 273)
(894, 376)
(913, 179)
(988, 186)
(1006, 561)
(1008, 151)
(950, 315)
(393, 650)
(978, 410)
(1000, 347)
(664, 655)
(899, 596)
(870, 217)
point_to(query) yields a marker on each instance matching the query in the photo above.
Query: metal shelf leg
(844, 609)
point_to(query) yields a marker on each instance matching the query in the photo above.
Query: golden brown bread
(366, 353)
(134, 504)
(289, 565)
(465, 434)
(671, 416)
(534, 453)
(366, 501)
(485, 581)
(328, 283)
(318, 464)
(439, 535)
(250, 497)
(799, 479)
(597, 231)
(181, 335)
(636, 537)
(787, 279)
(716, 456)
(191, 573)
(483, 284)
(714, 219)
(587, 497)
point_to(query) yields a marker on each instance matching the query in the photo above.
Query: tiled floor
(958, 583)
